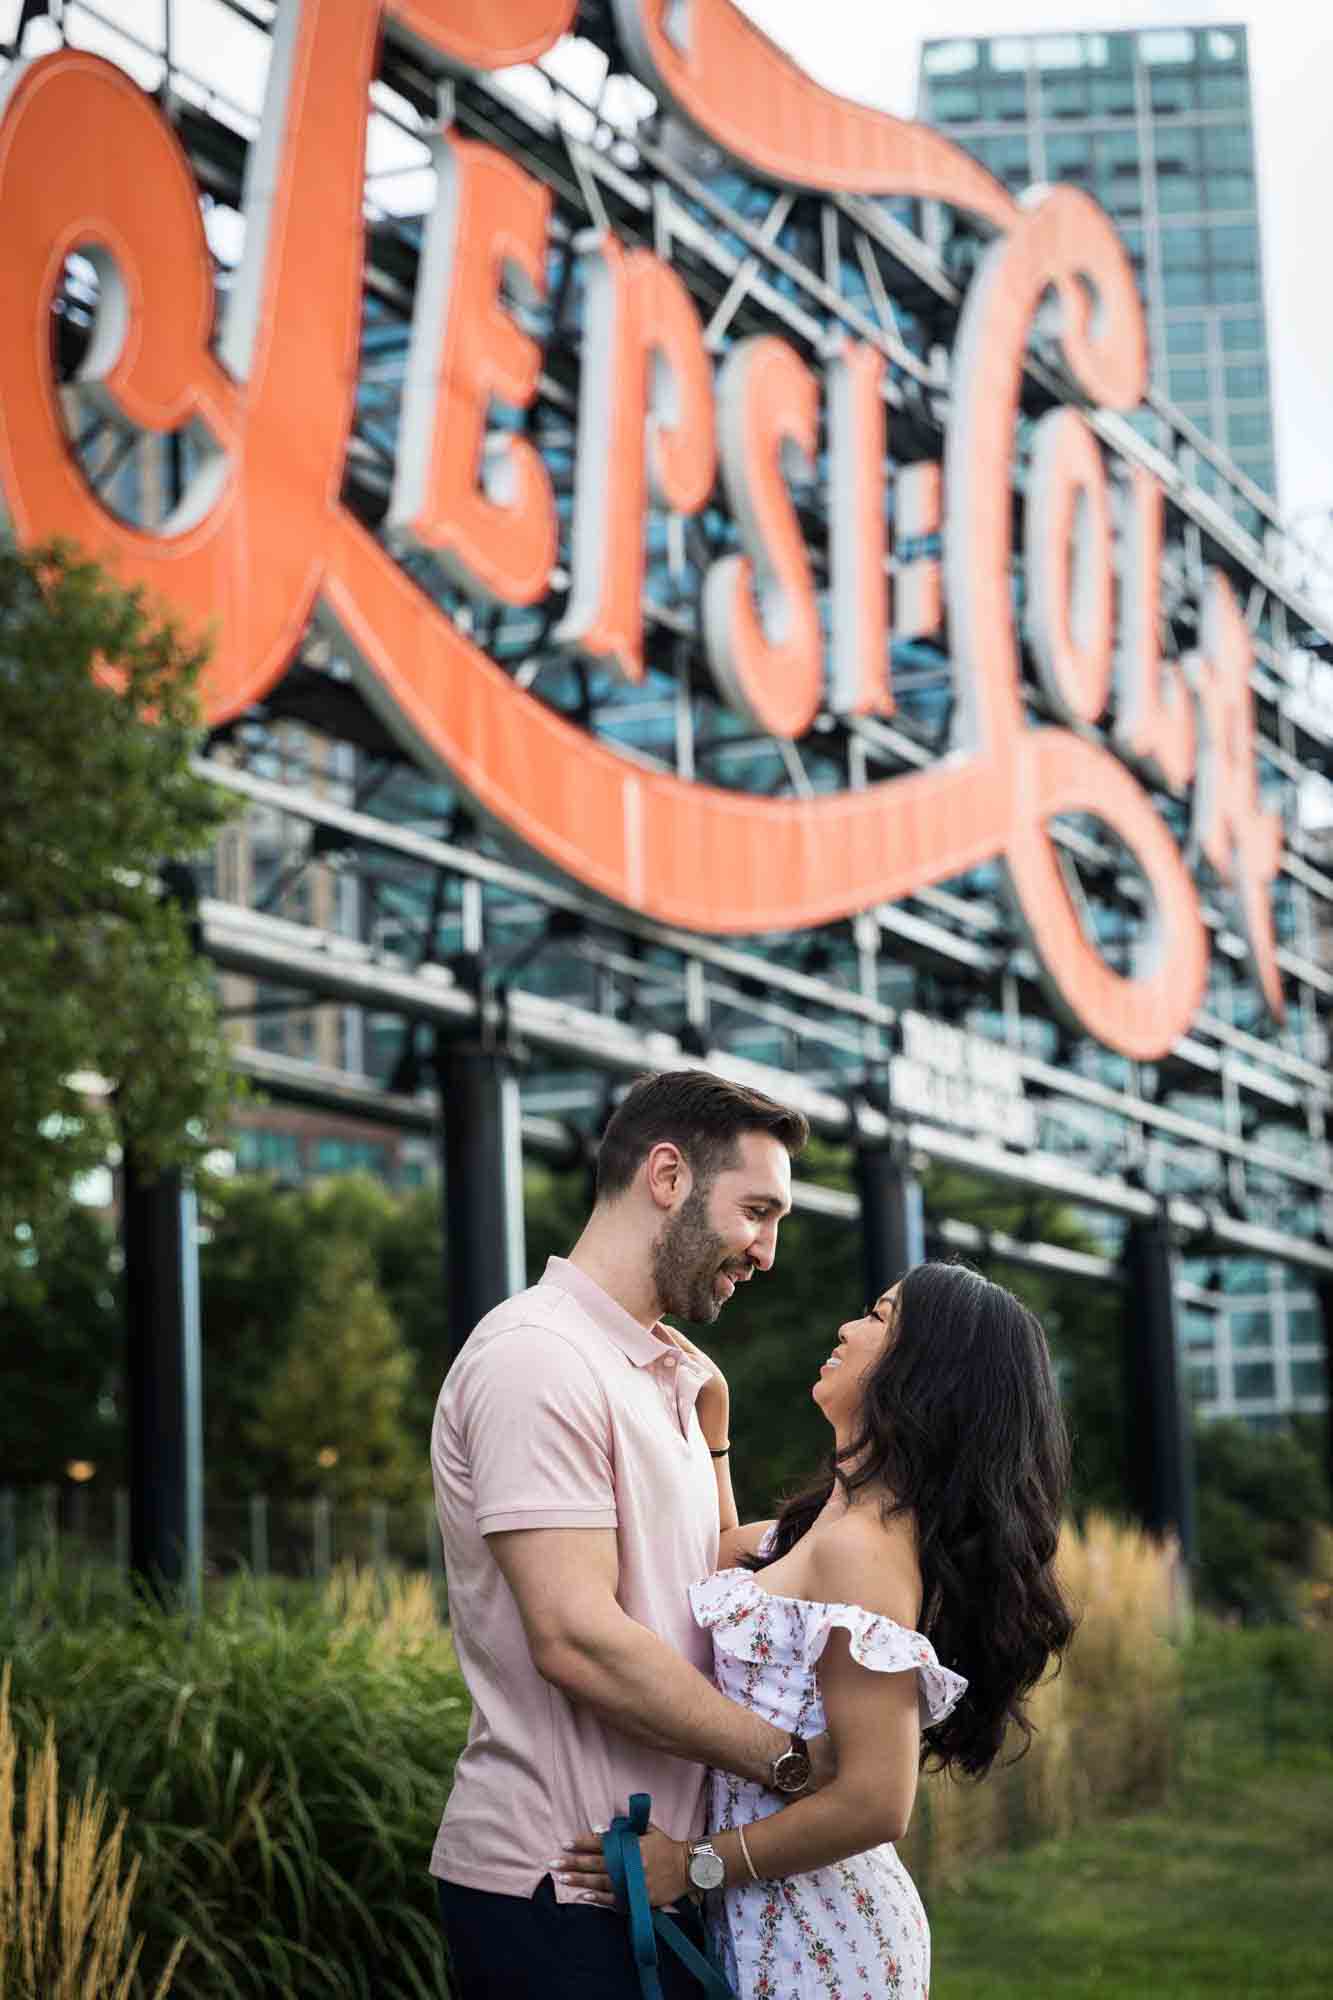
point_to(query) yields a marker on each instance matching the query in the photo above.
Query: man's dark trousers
(520, 1948)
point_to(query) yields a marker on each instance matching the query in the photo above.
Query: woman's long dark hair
(962, 1426)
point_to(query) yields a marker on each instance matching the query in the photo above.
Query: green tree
(331, 1415)
(1261, 1496)
(99, 718)
(62, 1355)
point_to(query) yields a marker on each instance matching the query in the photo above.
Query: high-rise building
(1158, 125)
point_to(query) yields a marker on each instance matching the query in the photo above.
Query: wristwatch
(705, 1867)
(790, 1770)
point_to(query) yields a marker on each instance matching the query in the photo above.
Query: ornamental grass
(65, 1894)
(283, 1762)
(1105, 1727)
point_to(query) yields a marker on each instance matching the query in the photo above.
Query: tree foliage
(330, 1419)
(62, 1355)
(99, 717)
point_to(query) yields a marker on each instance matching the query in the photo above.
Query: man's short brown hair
(702, 1114)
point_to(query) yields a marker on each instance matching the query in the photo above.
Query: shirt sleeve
(537, 1433)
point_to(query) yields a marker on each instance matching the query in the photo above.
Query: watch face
(791, 1772)
(707, 1870)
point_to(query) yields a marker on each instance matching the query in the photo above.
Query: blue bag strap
(624, 1864)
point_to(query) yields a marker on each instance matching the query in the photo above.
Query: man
(578, 1453)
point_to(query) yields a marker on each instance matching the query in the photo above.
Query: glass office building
(1158, 125)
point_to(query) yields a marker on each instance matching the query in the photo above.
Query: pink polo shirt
(563, 1412)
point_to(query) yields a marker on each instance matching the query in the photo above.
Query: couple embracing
(774, 1685)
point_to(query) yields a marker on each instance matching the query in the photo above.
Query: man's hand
(714, 1404)
(665, 1862)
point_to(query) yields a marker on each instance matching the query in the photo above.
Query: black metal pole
(1160, 1446)
(160, 1238)
(482, 1158)
(893, 1219)
(1324, 1294)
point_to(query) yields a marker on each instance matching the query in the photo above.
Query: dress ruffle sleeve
(886, 1648)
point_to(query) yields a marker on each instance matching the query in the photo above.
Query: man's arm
(564, 1583)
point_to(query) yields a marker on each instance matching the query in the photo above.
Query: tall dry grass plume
(398, 1610)
(1106, 1725)
(65, 1902)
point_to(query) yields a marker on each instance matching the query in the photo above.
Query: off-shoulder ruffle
(751, 1623)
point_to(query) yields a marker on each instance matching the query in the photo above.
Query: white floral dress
(853, 1931)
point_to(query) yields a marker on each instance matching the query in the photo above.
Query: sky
(869, 49)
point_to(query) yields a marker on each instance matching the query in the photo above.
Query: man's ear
(667, 1176)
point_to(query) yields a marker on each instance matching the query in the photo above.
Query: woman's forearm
(727, 1517)
(830, 1825)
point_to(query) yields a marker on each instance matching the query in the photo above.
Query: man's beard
(687, 1257)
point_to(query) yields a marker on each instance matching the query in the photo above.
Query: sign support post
(160, 1237)
(481, 1154)
(893, 1216)
(1324, 1295)
(1160, 1454)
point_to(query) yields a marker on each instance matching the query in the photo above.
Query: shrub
(283, 1762)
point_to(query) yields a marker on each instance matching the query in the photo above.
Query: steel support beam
(1324, 1294)
(481, 1145)
(160, 1240)
(1160, 1454)
(893, 1217)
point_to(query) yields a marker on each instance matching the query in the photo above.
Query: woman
(907, 1602)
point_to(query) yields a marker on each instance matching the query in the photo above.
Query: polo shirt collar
(638, 1343)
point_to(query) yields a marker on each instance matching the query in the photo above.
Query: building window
(1186, 336)
(1167, 45)
(1304, 1327)
(1064, 96)
(1226, 146)
(1252, 1380)
(954, 103)
(1248, 379)
(1230, 191)
(1308, 1378)
(1203, 1381)
(1069, 156)
(1239, 335)
(1189, 385)
(1007, 158)
(1182, 248)
(1005, 98)
(949, 58)
(1183, 288)
(1251, 1329)
(345, 1156)
(1233, 285)
(1111, 96)
(1198, 1328)
(1223, 92)
(260, 1151)
(1220, 47)
(1171, 94)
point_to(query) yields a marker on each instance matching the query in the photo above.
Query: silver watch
(705, 1868)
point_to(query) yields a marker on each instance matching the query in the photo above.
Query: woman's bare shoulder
(861, 1558)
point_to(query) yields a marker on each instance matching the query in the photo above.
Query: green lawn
(1226, 1892)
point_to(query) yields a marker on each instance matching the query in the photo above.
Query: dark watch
(705, 1867)
(790, 1770)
